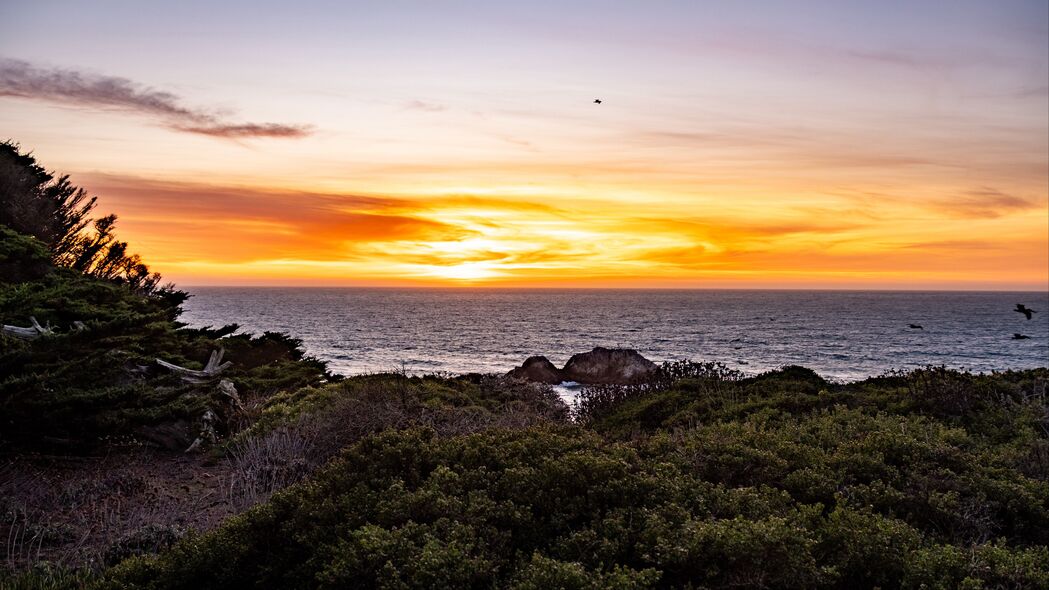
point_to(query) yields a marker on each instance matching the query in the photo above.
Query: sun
(466, 271)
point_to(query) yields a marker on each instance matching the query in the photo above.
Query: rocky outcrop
(619, 366)
(538, 369)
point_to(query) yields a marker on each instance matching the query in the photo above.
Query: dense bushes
(781, 480)
(563, 508)
(715, 481)
(297, 432)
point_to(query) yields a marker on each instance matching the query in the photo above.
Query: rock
(619, 366)
(538, 368)
(173, 435)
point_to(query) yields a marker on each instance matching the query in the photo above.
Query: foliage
(52, 210)
(102, 380)
(562, 507)
(22, 258)
(36, 203)
(149, 539)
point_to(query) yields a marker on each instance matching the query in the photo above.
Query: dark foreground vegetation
(699, 478)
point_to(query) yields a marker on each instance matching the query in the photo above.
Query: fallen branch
(30, 333)
(227, 389)
(211, 370)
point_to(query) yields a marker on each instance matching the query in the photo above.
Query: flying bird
(1027, 311)
(1019, 336)
(916, 326)
(597, 101)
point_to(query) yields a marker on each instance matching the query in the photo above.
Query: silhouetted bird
(1019, 336)
(915, 327)
(597, 101)
(1027, 311)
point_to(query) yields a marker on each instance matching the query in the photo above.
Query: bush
(562, 507)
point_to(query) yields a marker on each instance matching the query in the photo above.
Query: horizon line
(601, 288)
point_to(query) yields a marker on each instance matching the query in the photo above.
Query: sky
(837, 144)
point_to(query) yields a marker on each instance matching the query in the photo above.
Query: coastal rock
(539, 369)
(619, 366)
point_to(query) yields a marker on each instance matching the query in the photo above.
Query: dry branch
(211, 370)
(30, 333)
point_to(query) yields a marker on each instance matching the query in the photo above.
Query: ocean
(843, 335)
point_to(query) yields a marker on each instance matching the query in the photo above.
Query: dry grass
(89, 511)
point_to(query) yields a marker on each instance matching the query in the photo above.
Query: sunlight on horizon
(846, 147)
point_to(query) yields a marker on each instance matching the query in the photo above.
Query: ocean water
(843, 335)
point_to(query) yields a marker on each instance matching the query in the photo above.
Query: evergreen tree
(36, 203)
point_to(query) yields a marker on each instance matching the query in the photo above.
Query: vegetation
(699, 478)
(52, 210)
(777, 481)
(96, 378)
(101, 380)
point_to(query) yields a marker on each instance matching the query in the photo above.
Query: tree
(36, 203)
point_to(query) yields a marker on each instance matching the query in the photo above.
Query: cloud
(192, 221)
(224, 234)
(24, 80)
(953, 245)
(986, 203)
(429, 107)
(726, 229)
(247, 130)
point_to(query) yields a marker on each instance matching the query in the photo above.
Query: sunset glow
(344, 145)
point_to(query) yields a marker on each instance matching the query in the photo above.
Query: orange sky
(845, 149)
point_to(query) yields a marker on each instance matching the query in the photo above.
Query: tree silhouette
(34, 202)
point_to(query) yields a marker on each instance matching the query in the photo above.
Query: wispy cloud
(429, 107)
(953, 245)
(985, 202)
(24, 80)
(247, 130)
(246, 224)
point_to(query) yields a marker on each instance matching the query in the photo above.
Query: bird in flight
(916, 326)
(597, 101)
(1027, 311)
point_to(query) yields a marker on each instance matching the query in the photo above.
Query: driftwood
(227, 389)
(30, 333)
(207, 431)
(211, 370)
